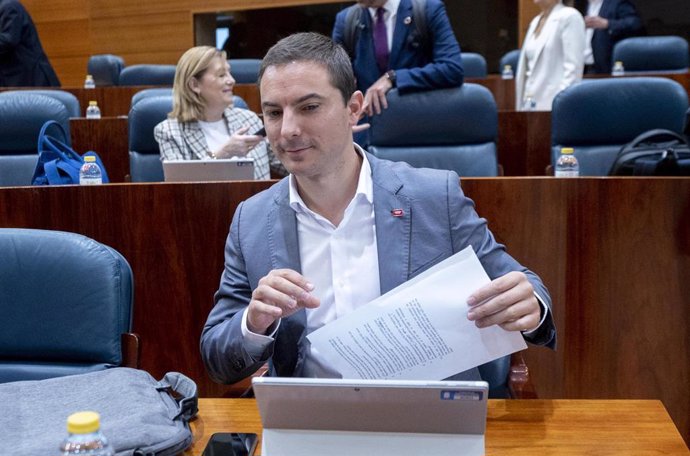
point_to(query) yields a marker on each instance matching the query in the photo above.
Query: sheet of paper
(418, 331)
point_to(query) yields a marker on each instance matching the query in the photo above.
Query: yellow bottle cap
(83, 422)
(93, 103)
(567, 150)
(89, 158)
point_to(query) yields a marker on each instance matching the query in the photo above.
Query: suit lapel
(195, 139)
(400, 32)
(282, 232)
(393, 219)
(547, 31)
(284, 247)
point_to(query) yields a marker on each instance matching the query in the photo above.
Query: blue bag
(58, 163)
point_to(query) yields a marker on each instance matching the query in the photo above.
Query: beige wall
(141, 31)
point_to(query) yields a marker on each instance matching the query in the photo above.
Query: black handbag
(656, 152)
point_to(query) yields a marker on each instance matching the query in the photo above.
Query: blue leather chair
(105, 69)
(22, 114)
(245, 71)
(69, 100)
(452, 129)
(238, 102)
(148, 74)
(597, 117)
(144, 155)
(474, 65)
(509, 58)
(65, 301)
(652, 54)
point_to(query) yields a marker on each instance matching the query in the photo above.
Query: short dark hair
(314, 47)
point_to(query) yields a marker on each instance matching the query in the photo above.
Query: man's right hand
(280, 294)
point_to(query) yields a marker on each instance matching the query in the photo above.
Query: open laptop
(208, 170)
(308, 416)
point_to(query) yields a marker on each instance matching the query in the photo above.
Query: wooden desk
(526, 427)
(613, 252)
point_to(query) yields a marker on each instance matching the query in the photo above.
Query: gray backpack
(139, 415)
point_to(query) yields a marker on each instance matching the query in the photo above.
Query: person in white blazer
(552, 56)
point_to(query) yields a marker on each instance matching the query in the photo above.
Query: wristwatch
(390, 74)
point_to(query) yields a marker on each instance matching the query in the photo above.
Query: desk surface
(515, 427)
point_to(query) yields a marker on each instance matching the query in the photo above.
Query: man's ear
(356, 106)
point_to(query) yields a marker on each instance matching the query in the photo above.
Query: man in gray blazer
(342, 229)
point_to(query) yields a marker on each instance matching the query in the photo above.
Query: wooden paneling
(57, 10)
(613, 252)
(150, 33)
(108, 137)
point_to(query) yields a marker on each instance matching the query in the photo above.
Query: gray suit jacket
(438, 221)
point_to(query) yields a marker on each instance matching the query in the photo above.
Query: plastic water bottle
(90, 172)
(529, 104)
(567, 165)
(507, 72)
(89, 83)
(85, 437)
(93, 111)
(618, 69)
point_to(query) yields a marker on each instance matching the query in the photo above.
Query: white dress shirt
(389, 17)
(341, 261)
(593, 9)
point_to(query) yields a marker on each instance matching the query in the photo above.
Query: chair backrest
(65, 301)
(245, 71)
(474, 65)
(148, 74)
(105, 69)
(144, 154)
(509, 58)
(598, 116)
(453, 128)
(237, 101)
(22, 114)
(652, 54)
(66, 98)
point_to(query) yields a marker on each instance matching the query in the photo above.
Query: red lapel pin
(397, 212)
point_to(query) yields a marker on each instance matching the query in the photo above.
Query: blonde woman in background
(552, 55)
(204, 124)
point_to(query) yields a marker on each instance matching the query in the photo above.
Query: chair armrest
(130, 350)
(520, 384)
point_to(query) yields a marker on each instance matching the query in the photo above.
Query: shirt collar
(391, 7)
(365, 185)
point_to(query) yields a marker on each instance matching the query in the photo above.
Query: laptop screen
(443, 407)
(208, 170)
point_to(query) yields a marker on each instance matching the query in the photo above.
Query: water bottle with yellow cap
(567, 165)
(85, 437)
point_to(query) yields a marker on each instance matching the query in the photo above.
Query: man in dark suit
(607, 22)
(22, 60)
(410, 62)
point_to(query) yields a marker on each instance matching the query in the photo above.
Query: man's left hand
(375, 98)
(507, 301)
(596, 22)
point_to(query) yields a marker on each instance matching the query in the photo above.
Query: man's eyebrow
(309, 96)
